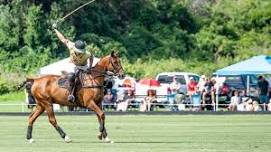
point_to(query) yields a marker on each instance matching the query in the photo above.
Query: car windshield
(168, 79)
(238, 82)
(195, 77)
(252, 79)
(233, 80)
(180, 78)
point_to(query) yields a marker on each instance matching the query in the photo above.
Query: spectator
(179, 101)
(148, 100)
(114, 93)
(174, 86)
(126, 100)
(248, 105)
(170, 97)
(120, 98)
(263, 90)
(256, 106)
(201, 83)
(180, 98)
(108, 101)
(235, 101)
(191, 88)
(242, 105)
(173, 90)
(130, 99)
(225, 91)
(208, 96)
(269, 106)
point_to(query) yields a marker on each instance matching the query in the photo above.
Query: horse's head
(114, 65)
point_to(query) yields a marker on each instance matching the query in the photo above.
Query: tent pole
(248, 92)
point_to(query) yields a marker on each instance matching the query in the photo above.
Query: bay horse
(46, 91)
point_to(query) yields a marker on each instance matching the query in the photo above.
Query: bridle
(116, 69)
(106, 72)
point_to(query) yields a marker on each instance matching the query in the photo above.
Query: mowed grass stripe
(144, 133)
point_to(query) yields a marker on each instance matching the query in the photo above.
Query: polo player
(78, 56)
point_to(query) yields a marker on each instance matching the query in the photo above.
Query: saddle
(63, 82)
(84, 80)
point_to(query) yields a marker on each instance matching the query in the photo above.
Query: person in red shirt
(191, 87)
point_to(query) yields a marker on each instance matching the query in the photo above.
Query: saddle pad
(84, 80)
(63, 83)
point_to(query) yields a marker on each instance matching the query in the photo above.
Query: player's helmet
(80, 45)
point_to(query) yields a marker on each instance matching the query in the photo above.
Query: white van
(166, 78)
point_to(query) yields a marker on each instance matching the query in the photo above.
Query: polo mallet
(69, 14)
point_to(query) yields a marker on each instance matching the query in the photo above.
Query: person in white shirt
(201, 84)
(235, 100)
(174, 85)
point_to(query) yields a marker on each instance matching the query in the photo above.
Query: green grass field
(144, 133)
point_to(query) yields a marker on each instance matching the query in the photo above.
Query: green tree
(9, 31)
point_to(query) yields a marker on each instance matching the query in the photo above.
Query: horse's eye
(114, 61)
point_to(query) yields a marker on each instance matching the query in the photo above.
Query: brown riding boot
(71, 97)
(71, 78)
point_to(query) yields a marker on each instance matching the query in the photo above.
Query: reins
(101, 73)
(116, 69)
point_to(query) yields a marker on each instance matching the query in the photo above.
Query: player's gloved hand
(54, 26)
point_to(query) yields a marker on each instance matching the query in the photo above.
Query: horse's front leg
(101, 119)
(102, 134)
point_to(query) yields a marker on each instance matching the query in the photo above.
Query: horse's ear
(113, 54)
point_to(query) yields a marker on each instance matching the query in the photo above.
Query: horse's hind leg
(101, 119)
(32, 118)
(52, 120)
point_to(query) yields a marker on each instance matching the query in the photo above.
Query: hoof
(100, 136)
(107, 140)
(30, 140)
(67, 139)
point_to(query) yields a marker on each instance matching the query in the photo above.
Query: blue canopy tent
(256, 65)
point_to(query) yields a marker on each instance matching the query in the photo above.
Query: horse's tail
(27, 83)
(21, 85)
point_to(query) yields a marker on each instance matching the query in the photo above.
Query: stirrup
(71, 98)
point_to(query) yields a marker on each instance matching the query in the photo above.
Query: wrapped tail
(21, 85)
(27, 83)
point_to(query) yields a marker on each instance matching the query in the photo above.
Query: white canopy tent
(58, 67)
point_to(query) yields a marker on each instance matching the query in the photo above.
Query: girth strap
(93, 86)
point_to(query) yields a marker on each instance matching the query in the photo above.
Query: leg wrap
(104, 133)
(29, 132)
(101, 128)
(60, 131)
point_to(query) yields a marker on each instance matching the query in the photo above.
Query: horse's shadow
(134, 142)
(148, 142)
